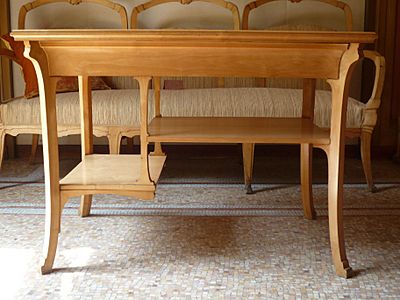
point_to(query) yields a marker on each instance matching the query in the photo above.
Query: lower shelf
(111, 174)
(236, 130)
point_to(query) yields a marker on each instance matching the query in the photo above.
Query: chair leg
(366, 159)
(2, 143)
(86, 205)
(114, 142)
(158, 151)
(248, 160)
(9, 146)
(35, 143)
(306, 181)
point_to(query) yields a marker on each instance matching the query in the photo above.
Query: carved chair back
(294, 83)
(334, 3)
(105, 3)
(192, 82)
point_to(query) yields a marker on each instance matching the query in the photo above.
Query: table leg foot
(344, 271)
(45, 269)
(50, 250)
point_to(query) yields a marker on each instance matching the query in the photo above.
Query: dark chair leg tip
(249, 189)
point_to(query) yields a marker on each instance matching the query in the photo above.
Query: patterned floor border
(156, 209)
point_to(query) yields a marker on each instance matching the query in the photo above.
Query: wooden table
(148, 53)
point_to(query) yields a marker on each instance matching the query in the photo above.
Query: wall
(173, 15)
(383, 15)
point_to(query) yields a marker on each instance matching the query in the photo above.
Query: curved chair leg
(248, 160)
(366, 159)
(306, 181)
(35, 143)
(114, 142)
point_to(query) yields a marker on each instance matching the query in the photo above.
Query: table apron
(302, 61)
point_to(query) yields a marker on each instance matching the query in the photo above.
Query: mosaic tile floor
(273, 256)
(203, 241)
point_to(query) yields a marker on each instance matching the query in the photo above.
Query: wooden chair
(365, 126)
(112, 132)
(21, 25)
(156, 80)
(339, 4)
(102, 100)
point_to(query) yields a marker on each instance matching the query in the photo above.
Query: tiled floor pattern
(186, 257)
(254, 247)
(199, 258)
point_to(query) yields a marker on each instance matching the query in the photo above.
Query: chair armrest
(379, 62)
(374, 102)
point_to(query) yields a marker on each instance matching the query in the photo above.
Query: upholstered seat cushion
(110, 107)
(121, 107)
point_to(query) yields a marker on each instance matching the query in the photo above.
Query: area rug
(222, 168)
(210, 200)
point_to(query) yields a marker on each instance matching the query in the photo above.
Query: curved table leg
(48, 115)
(335, 211)
(51, 239)
(335, 152)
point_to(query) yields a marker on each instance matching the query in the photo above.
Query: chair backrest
(334, 3)
(106, 6)
(295, 83)
(105, 3)
(192, 82)
(221, 3)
